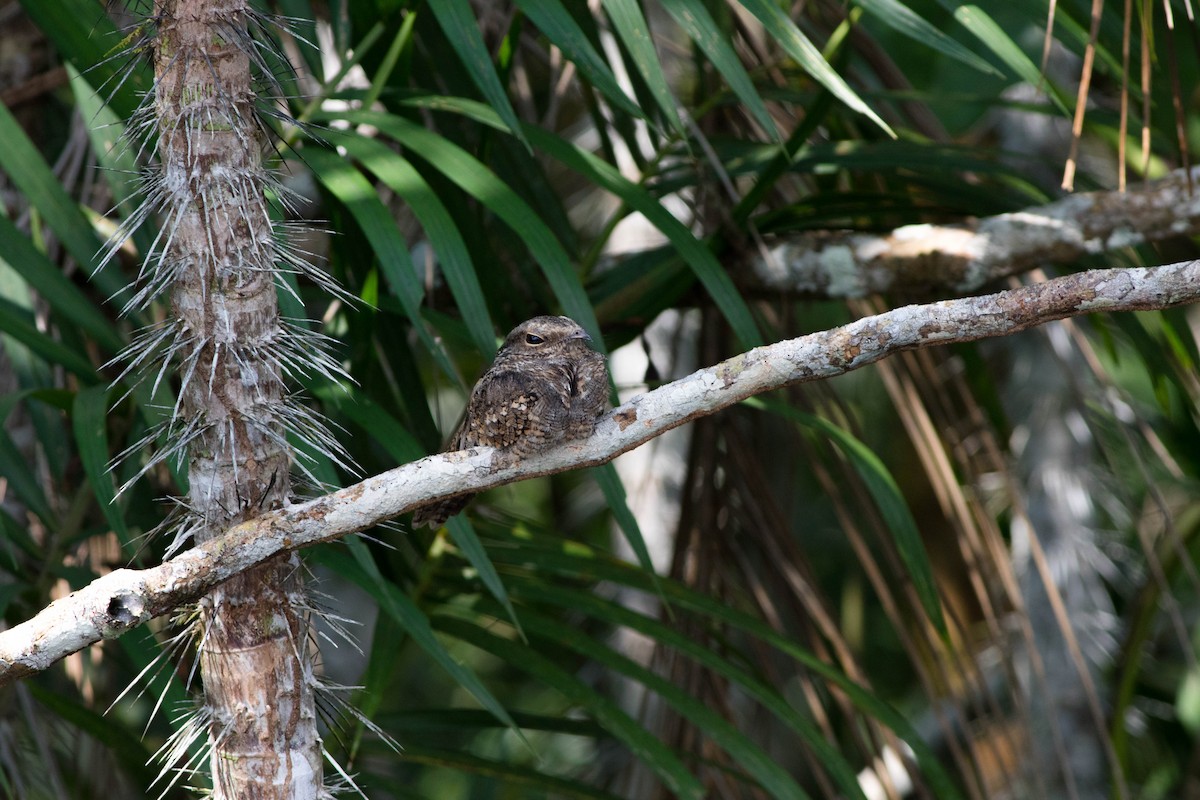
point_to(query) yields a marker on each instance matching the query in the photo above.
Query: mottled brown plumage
(546, 386)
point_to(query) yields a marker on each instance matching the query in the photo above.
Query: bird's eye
(533, 338)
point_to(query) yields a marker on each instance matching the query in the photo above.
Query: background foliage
(460, 168)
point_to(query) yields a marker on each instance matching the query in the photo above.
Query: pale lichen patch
(842, 270)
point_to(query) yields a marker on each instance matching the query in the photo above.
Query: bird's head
(544, 336)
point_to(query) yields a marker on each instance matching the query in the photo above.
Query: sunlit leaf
(903, 19)
(630, 24)
(359, 566)
(444, 236)
(694, 18)
(458, 22)
(561, 28)
(888, 498)
(670, 770)
(360, 199)
(89, 423)
(481, 183)
(797, 45)
(695, 253)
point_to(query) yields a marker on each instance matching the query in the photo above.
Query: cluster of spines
(292, 350)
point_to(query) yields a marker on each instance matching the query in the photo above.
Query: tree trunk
(254, 653)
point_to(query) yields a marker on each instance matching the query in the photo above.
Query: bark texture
(920, 260)
(256, 669)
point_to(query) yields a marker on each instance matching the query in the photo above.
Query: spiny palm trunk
(255, 665)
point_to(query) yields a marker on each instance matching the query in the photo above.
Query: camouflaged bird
(546, 386)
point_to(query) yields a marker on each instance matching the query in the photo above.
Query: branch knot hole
(124, 611)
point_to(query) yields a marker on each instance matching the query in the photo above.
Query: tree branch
(959, 259)
(116, 602)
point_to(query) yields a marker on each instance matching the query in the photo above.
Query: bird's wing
(590, 398)
(517, 411)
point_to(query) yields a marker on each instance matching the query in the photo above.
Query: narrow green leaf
(504, 779)
(17, 471)
(123, 743)
(773, 778)
(693, 17)
(630, 24)
(83, 33)
(29, 171)
(564, 32)
(645, 747)
(805, 53)
(694, 252)
(1175, 333)
(888, 498)
(44, 277)
(463, 534)
(454, 258)
(985, 29)
(574, 560)
(383, 74)
(422, 721)
(616, 615)
(89, 421)
(458, 22)
(356, 193)
(481, 183)
(19, 324)
(614, 492)
(904, 20)
(362, 570)
(15, 535)
(115, 155)
(106, 131)
(383, 427)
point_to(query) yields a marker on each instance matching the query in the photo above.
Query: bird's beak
(580, 334)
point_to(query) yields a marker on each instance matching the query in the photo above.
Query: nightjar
(546, 386)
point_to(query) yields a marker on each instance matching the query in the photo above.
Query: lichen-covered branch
(962, 258)
(123, 599)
